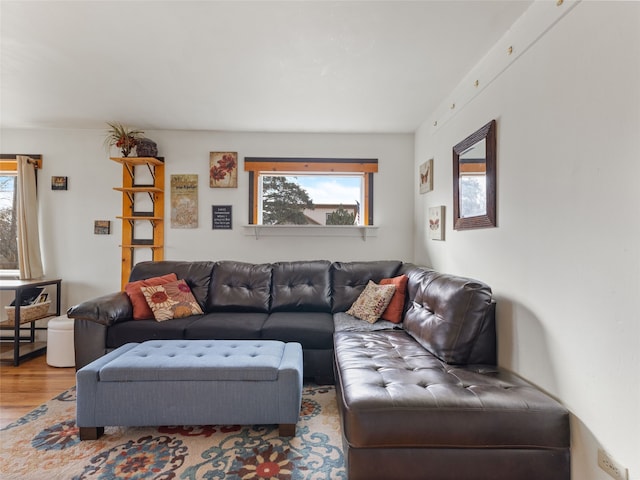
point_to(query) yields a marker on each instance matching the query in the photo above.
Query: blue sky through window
(331, 188)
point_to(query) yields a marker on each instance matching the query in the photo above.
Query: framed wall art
(223, 169)
(184, 201)
(58, 183)
(221, 217)
(426, 176)
(436, 223)
(102, 227)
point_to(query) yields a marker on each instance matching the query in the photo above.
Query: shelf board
(141, 246)
(26, 349)
(362, 231)
(139, 160)
(139, 217)
(139, 189)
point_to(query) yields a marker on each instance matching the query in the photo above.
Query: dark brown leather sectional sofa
(422, 400)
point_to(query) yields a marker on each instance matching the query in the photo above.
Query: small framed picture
(102, 227)
(426, 176)
(436, 223)
(58, 183)
(223, 169)
(221, 217)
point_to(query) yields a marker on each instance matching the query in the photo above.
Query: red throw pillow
(394, 310)
(141, 310)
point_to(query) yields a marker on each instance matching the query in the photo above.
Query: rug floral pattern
(45, 444)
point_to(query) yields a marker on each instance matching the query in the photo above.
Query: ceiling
(261, 66)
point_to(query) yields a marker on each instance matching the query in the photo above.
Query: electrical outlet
(609, 465)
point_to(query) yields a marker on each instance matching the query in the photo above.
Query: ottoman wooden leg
(287, 429)
(91, 433)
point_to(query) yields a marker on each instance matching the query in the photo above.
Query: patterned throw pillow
(141, 310)
(372, 302)
(171, 300)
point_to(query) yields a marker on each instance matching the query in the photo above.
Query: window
(8, 230)
(9, 261)
(287, 191)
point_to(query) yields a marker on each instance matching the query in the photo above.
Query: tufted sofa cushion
(301, 286)
(240, 287)
(350, 278)
(448, 314)
(196, 274)
(396, 393)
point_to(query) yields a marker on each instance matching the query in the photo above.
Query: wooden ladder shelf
(131, 216)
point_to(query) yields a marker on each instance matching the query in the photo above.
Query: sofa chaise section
(428, 401)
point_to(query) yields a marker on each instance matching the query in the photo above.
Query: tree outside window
(284, 202)
(8, 229)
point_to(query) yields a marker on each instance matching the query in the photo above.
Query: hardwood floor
(29, 385)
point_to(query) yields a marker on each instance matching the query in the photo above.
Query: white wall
(90, 264)
(564, 262)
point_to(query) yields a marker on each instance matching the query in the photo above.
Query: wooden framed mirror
(474, 180)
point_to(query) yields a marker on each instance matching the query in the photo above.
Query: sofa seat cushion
(343, 322)
(230, 326)
(314, 330)
(137, 331)
(393, 392)
(198, 360)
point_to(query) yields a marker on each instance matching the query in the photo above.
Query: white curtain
(29, 256)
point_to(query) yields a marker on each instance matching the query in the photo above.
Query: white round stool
(60, 350)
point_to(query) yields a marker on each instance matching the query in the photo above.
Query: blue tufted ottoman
(191, 382)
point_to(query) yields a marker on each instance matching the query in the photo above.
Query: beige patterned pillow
(372, 302)
(171, 300)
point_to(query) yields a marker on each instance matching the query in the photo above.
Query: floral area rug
(44, 444)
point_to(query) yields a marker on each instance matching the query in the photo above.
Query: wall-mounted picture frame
(102, 227)
(436, 223)
(223, 169)
(426, 176)
(221, 217)
(184, 201)
(59, 183)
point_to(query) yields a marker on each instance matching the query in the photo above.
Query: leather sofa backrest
(196, 274)
(348, 279)
(301, 286)
(451, 316)
(240, 287)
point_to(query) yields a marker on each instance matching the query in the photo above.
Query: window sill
(361, 231)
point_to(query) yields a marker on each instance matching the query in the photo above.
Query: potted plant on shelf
(122, 137)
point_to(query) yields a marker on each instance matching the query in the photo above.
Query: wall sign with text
(221, 215)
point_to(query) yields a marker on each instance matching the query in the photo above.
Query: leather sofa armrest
(105, 310)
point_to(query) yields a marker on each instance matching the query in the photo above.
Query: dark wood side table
(19, 286)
